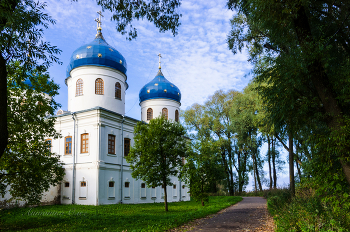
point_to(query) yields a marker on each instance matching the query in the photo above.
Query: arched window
(149, 114)
(79, 87)
(118, 91)
(176, 115)
(99, 86)
(165, 113)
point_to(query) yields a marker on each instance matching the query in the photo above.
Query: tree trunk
(269, 159)
(274, 163)
(323, 86)
(230, 164)
(254, 170)
(165, 195)
(6, 9)
(3, 106)
(291, 163)
(257, 174)
(299, 172)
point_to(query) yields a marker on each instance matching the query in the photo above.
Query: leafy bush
(309, 211)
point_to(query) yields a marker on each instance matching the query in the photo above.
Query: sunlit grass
(141, 217)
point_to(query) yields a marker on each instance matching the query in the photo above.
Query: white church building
(96, 134)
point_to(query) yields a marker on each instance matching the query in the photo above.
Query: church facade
(97, 136)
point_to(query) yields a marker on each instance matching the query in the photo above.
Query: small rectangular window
(183, 186)
(84, 143)
(143, 185)
(126, 146)
(174, 186)
(111, 144)
(126, 184)
(83, 184)
(49, 144)
(111, 184)
(68, 145)
(66, 184)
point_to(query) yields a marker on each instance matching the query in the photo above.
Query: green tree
(157, 152)
(301, 50)
(21, 39)
(28, 167)
(246, 120)
(203, 169)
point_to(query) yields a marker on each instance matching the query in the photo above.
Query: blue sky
(197, 60)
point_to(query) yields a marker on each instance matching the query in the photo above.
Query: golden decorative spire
(99, 22)
(160, 56)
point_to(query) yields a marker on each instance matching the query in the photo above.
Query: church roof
(97, 53)
(160, 87)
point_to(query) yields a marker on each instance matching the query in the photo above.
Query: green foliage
(301, 56)
(211, 123)
(157, 152)
(162, 13)
(202, 170)
(28, 167)
(119, 217)
(22, 26)
(308, 211)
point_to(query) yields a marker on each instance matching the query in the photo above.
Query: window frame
(176, 116)
(49, 143)
(86, 145)
(149, 114)
(99, 86)
(65, 145)
(118, 91)
(111, 150)
(127, 146)
(165, 113)
(79, 87)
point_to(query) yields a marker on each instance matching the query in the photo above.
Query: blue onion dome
(160, 87)
(98, 53)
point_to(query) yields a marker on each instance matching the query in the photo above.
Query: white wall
(157, 105)
(89, 99)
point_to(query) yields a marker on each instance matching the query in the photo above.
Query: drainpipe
(121, 166)
(73, 151)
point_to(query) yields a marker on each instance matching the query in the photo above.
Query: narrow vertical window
(111, 190)
(118, 90)
(165, 113)
(99, 86)
(126, 146)
(149, 114)
(68, 145)
(111, 144)
(82, 191)
(143, 190)
(79, 87)
(84, 143)
(49, 144)
(176, 115)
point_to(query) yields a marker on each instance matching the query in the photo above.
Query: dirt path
(248, 215)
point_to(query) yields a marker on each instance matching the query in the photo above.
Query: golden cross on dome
(99, 20)
(160, 56)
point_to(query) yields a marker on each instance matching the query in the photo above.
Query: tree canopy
(28, 167)
(157, 152)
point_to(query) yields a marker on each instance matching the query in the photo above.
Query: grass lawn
(141, 217)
